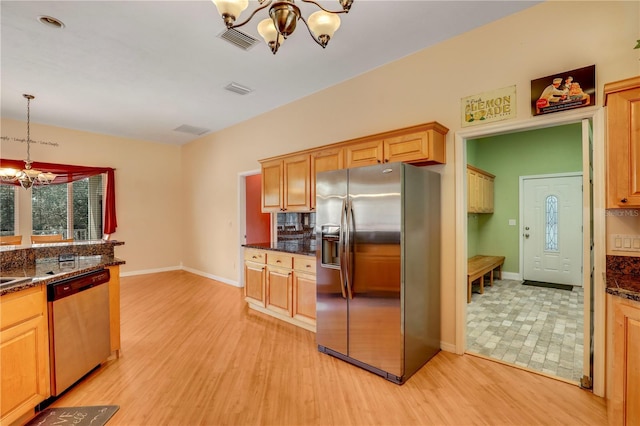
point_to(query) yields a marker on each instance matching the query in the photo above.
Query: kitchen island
(24, 318)
(280, 280)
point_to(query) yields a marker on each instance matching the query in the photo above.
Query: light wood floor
(194, 355)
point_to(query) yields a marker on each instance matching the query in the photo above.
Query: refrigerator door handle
(348, 247)
(341, 250)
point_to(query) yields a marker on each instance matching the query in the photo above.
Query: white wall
(426, 86)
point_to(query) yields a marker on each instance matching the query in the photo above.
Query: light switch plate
(620, 242)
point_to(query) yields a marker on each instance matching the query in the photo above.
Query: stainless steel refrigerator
(378, 267)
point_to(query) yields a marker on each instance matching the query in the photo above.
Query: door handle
(341, 249)
(349, 280)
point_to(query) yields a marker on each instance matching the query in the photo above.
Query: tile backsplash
(295, 225)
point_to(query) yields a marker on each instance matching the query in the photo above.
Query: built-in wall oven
(79, 332)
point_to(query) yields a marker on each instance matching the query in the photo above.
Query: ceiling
(141, 69)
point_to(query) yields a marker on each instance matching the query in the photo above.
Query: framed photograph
(563, 91)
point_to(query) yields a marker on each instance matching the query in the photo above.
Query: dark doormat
(548, 285)
(78, 416)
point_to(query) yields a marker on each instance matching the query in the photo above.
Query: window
(73, 209)
(551, 224)
(7, 210)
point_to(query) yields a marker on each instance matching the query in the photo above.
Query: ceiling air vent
(192, 130)
(240, 39)
(238, 88)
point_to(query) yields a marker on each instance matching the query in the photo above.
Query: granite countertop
(303, 246)
(48, 270)
(623, 277)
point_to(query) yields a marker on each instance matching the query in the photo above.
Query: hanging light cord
(29, 97)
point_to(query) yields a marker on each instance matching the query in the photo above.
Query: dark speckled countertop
(42, 265)
(623, 277)
(303, 246)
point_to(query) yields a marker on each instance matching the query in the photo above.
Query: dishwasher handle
(64, 288)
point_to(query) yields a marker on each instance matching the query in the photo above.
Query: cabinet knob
(624, 200)
(379, 161)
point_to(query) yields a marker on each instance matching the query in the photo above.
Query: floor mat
(97, 415)
(548, 285)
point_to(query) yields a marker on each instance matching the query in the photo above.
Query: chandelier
(283, 19)
(28, 176)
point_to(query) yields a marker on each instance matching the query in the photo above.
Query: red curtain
(66, 173)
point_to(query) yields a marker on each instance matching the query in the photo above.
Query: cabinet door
(297, 183)
(364, 154)
(626, 380)
(407, 148)
(272, 186)
(304, 297)
(487, 194)
(323, 161)
(254, 283)
(279, 289)
(623, 149)
(24, 353)
(473, 202)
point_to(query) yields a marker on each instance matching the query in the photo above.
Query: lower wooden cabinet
(24, 353)
(281, 285)
(255, 277)
(624, 390)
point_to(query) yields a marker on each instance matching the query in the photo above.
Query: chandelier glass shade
(283, 18)
(28, 176)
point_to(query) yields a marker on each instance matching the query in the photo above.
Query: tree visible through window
(7, 210)
(73, 210)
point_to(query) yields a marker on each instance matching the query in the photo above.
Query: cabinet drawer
(21, 306)
(305, 264)
(282, 260)
(255, 255)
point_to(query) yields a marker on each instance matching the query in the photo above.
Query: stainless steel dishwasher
(79, 332)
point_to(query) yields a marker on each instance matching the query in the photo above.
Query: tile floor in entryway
(534, 327)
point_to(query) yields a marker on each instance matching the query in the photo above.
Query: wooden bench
(478, 267)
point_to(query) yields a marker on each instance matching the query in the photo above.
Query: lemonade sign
(499, 104)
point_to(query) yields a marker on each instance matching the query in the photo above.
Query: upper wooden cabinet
(365, 153)
(286, 184)
(424, 144)
(479, 190)
(324, 160)
(288, 181)
(622, 100)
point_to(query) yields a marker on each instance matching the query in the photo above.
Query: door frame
(521, 217)
(596, 115)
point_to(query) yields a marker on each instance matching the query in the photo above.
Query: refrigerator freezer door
(375, 316)
(331, 304)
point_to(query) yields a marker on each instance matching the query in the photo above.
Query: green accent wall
(534, 152)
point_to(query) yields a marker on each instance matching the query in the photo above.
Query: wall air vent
(240, 39)
(238, 88)
(192, 130)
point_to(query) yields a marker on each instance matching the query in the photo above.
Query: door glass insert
(551, 224)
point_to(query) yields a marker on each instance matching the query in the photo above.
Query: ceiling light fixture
(27, 177)
(283, 19)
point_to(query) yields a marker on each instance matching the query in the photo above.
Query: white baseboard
(211, 276)
(181, 268)
(511, 276)
(150, 271)
(447, 347)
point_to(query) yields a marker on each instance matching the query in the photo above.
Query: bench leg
(491, 278)
(482, 284)
(469, 284)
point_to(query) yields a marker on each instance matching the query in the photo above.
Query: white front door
(552, 229)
